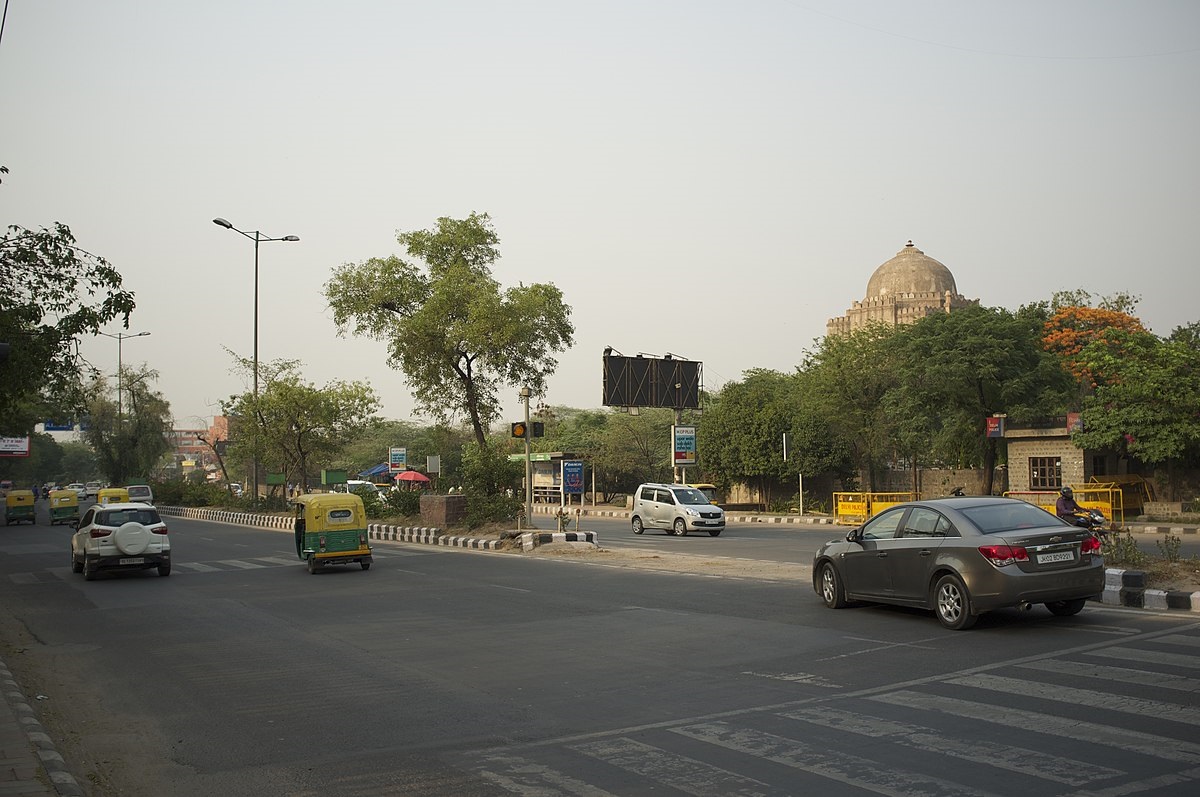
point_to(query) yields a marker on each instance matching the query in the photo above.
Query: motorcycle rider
(1066, 507)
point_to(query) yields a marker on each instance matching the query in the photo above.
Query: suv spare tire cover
(132, 538)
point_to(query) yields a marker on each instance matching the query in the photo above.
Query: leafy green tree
(450, 329)
(43, 465)
(848, 381)
(54, 294)
(1149, 404)
(297, 427)
(78, 463)
(129, 437)
(958, 368)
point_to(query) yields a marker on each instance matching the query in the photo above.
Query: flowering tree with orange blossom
(1072, 329)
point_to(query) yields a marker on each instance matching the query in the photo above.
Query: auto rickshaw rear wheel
(313, 567)
(365, 565)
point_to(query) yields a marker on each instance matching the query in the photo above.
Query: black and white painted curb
(1128, 588)
(52, 762)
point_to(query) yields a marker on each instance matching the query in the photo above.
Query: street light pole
(258, 238)
(120, 336)
(120, 442)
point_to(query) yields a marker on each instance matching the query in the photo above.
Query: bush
(403, 503)
(485, 509)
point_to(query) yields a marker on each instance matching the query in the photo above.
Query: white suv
(125, 536)
(676, 507)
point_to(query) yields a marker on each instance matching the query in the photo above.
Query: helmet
(1067, 492)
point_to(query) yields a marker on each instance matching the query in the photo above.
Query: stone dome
(910, 271)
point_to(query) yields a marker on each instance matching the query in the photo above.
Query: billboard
(652, 382)
(683, 446)
(14, 446)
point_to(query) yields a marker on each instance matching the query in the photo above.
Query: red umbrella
(411, 476)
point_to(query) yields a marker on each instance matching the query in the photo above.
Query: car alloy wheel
(637, 526)
(831, 587)
(952, 604)
(680, 527)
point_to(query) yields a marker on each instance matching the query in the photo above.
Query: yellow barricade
(1105, 497)
(854, 508)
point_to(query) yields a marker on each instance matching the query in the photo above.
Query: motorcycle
(1093, 520)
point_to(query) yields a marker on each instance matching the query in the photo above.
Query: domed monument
(906, 288)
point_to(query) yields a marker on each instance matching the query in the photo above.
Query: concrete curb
(43, 752)
(1128, 588)
(531, 539)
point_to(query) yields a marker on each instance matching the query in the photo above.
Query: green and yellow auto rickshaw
(64, 506)
(19, 506)
(331, 529)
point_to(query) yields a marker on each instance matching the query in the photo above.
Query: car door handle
(882, 554)
(925, 552)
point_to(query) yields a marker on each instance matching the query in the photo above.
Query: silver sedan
(962, 557)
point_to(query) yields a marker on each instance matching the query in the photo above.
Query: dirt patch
(678, 563)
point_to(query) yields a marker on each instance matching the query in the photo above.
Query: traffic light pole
(525, 393)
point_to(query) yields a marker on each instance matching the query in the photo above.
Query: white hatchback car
(124, 536)
(678, 508)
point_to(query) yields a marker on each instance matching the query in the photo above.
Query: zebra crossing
(1108, 720)
(263, 562)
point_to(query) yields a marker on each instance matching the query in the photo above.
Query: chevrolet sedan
(961, 557)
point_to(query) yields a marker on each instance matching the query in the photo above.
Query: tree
(130, 443)
(849, 378)
(297, 427)
(958, 368)
(54, 294)
(1148, 404)
(1072, 328)
(452, 332)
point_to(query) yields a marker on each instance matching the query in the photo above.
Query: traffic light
(519, 430)
(539, 429)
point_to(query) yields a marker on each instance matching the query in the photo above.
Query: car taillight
(321, 542)
(362, 538)
(1001, 555)
(1090, 544)
(159, 530)
(95, 532)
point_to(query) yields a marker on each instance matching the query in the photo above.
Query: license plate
(134, 560)
(1057, 556)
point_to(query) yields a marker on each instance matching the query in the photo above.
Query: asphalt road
(775, 542)
(451, 672)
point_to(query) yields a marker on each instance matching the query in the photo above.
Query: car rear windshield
(119, 517)
(1009, 516)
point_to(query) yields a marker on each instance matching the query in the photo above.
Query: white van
(140, 493)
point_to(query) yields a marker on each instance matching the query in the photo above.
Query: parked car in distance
(961, 557)
(94, 488)
(123, 536)
(678, 508)
(141, 493)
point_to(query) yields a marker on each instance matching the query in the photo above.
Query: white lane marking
(1181, 639)
(679, 772)
(1122, 675)
(243, 565)
(795, 677)
(930, 740)
(1082, 697)
(1150, 784)
(850, 769)
(522, 776)
(1189, 660)
(1037, 722)
(195, 566)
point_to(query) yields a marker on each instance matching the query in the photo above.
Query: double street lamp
(120, 438)
(257, 237)
(121, 336)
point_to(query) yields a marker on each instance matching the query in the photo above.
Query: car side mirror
(854, 535)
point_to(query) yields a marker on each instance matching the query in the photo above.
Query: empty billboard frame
(652, 382)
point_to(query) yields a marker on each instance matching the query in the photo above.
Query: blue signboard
(58, 426)
(572, 473)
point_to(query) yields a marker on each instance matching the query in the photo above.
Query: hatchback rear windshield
(1009, 516)
(119, 517)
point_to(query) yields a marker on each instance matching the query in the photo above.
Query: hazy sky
(711, 179)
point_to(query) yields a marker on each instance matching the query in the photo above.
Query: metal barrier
(1106, 497)
(854, 508)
